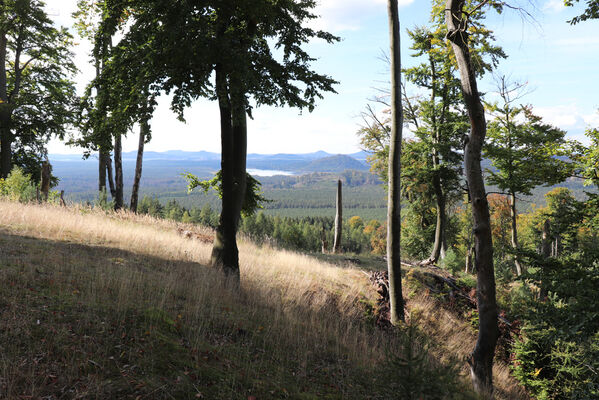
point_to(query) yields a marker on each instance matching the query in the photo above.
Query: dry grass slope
(98, 305)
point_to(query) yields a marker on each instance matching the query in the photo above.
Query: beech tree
(436, 116)
(223, 50)
(37, 94)
(587, 168)
(524, 151)
(95, 132)
(481, 360)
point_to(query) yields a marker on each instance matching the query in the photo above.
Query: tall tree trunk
(438, 250)
(394, 200)
(6, 140)
(515, 246)
(144, 129)
(481, 360)
(338, 219)
(6, 137)
(110, 174)
(231, 101)
(118, 173)
(102, 156)
(546, 253)
(46, 174)
(439, 247)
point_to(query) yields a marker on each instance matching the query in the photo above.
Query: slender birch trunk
(118, 173)
(394, 199)
(144, 130)
(515, 246)
(338, 219)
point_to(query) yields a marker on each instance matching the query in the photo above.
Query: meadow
(105, 305)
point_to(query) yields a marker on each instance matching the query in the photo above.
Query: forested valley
(455, 256)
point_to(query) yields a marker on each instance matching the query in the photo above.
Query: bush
(18, 186)
(414, 374)
(557, 356)
(453, 262)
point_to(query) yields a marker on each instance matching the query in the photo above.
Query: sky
(557, 60)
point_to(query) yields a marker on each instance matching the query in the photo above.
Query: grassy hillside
(99, 305)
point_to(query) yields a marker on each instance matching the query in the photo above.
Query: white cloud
(578, 41)
(554, 6)
(570, 118)
(561, 116)
(348, 15)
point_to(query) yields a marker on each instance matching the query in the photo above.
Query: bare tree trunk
(468, 268)
(546, 253)
(110, 175)
(439, 247)
(515, 246)
(556, 246)
(6, 140)
(481, 360)
(45, 181)
(338, 220)
(323, 241)
(102, 171)
(6, 136)
(118, 173)
(144, 129)
(231, 100)
(394, 200)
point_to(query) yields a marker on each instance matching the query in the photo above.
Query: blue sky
(559, 62)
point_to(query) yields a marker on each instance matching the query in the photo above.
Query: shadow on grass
(98, 322)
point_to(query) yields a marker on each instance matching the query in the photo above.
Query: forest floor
(97, 305)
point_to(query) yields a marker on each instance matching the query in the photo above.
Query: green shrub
(103, 203)
(557, 355)
(453, 262)
(18, 186)
(414, 374)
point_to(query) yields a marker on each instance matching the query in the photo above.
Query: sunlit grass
(104, 305)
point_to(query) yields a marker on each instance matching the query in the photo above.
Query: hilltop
(109, 305)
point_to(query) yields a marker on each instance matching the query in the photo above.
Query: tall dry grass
(291, 307)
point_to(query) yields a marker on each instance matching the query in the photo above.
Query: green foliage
(18, 186)
(39, 93)
(566, 217)
(452, 261)
(557, 355)
(418, 230)
(591, 11)
(102, 201)
(588, 158)
(525, 152)
(239, 37)
(252, 202)
(304, 233)
(414, 374)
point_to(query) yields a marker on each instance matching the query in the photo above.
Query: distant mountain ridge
(318, 161)
(336, 163)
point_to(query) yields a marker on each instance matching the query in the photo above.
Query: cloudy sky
(559, 62)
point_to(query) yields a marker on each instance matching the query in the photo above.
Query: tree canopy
(591, 10)
(37, 94)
